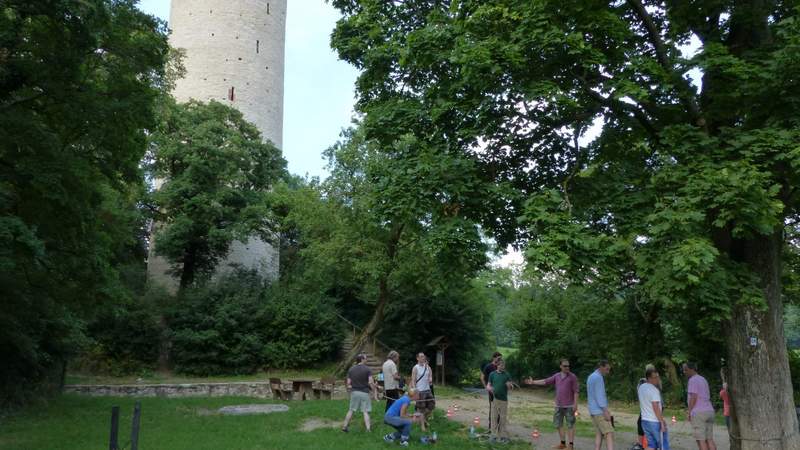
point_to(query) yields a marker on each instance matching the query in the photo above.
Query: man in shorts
(391, 379)
(700, 411)
(651, 408)
(598, 406)
(359, 384)
(566, 384)
(422, 382)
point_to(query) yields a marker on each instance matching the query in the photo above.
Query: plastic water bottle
(472, 431)
(435, 437)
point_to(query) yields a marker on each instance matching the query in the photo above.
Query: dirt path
(527, 407)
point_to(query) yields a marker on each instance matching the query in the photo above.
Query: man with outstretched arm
(566, 384)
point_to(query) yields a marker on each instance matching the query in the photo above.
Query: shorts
(426, 402)
(562, 413)
(602, 425)
(359, 401)
(703, 425)
(655, 439)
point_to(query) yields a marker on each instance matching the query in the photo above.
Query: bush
(239, 324)
(126, 336)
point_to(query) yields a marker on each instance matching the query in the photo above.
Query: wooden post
(137, 412)
(113, 441)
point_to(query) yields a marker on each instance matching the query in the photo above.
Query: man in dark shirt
(485, 372)
(359, 384)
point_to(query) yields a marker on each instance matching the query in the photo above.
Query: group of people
(652, 423)
(498, 382)
(363, 389)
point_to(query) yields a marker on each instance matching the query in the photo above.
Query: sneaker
(571, 447)
(404, 443)
(504, 440)
(559, 447)
(345, 430)
(389, 437)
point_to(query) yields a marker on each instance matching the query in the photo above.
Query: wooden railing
(374, 342)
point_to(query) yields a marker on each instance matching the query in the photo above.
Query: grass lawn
(82, 423)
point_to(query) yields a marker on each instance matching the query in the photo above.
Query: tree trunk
(372, 328)
(188, 269)
(762, 405)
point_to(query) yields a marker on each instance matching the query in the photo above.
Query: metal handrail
(356, 327)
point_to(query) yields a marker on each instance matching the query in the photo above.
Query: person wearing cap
(359, 384)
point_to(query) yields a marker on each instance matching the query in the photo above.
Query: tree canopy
(79, 83)
(644, 148)
(214, 173)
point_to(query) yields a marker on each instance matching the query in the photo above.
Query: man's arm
(349, 384)
(373, 387)
(692, 403)
(395, 372)
(659, 416)
(413, 383)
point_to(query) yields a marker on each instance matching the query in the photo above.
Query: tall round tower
(234, 54)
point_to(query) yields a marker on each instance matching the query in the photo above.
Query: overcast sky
(318, 90)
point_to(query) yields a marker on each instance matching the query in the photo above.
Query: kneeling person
(397, 417)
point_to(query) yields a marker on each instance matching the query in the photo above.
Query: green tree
(378, 216)
(682, 193)
(215, 174)
(79, 83)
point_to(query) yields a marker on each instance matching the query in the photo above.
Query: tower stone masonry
(234, 54)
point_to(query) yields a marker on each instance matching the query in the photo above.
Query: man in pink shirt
(566, 401)
(700, 411)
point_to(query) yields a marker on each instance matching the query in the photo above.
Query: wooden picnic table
(304, 387)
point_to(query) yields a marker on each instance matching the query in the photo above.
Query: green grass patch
(82, 423)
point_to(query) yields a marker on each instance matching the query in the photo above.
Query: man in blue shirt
(397, 416)
(598, 406)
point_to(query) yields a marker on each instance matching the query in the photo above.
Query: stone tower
(234, 54)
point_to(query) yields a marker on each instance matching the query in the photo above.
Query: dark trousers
(391, 395)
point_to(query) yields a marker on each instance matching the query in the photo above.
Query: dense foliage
(79, 82)
(621, 159)
(239, 324)
(214, 173)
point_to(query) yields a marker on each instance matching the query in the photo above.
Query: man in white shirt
(422, 381)
(391, 379)
(651, 407)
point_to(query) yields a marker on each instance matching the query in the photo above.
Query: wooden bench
(325, 388)
(278, 390)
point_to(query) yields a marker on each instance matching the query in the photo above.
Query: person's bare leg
(366, 421)
(598, 440)
(711, 444)
(347, 419)
(571, 433)
(701, 444)
(610, 441)
(561, 433)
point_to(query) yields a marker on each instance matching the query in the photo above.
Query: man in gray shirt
(359, 384)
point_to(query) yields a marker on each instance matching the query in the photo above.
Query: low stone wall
(242, 389)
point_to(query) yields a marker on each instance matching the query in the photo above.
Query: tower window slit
(231, 94)
(258, 44)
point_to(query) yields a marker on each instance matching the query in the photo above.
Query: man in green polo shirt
(499, 384)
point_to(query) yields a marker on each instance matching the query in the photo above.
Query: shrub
(126, 336)
(239, 324)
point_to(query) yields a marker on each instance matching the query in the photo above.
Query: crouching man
(397, 417)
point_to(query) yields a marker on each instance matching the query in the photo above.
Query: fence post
(113, 441)
(137, 412)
